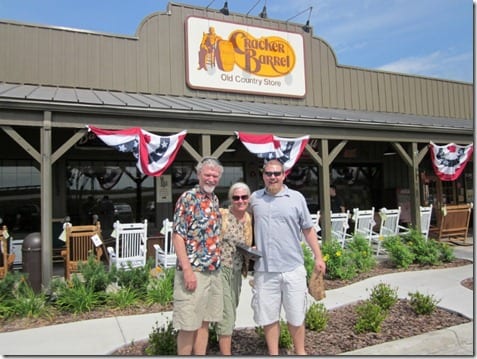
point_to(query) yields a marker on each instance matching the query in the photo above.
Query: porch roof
(32, 96)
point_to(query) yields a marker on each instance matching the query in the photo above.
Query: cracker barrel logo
(270, 56)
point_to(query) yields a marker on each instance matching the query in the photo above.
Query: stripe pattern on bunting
(449, 160)
(268, 146)
(153, 153)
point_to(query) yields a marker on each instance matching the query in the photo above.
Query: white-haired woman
(236, 228)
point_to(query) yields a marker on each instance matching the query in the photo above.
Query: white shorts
(269, 290)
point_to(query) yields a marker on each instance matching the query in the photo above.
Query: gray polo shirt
(278, 221)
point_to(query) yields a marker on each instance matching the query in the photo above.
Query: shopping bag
(316, 285)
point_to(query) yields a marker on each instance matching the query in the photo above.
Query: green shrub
(309, 261)
(425, 251)
(161, 289)
(28, 304)
(76, 296)
(383, 295)
(95, 274)
(423, 304)
(285, 340)
(213, 336)
(316, 317)
(123, 298)
(9, 283)
(398, 252)
(370, 317)
(136, 278)
(361, 253)
(446, 251)
(339, 263)
(162, 340)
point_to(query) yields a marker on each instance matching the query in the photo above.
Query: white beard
(208, 189)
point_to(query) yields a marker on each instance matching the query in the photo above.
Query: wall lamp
(224, 10)
(305, 27)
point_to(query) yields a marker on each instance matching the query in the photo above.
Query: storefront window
(20, 197)
(89, 181)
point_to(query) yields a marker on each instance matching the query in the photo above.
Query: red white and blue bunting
(268, 146)
(154, 154)
(449, 160)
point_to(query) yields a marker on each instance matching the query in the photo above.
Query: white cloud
(438, 64)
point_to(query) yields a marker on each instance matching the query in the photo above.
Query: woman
(236, 228)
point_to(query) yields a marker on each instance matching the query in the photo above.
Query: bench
(454, 224)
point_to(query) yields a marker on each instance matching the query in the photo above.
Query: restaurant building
(212, 75)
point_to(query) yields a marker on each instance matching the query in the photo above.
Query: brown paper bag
(316, 286)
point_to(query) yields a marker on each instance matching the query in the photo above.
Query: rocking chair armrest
(11, 258)
(403, 230)
(158, 249)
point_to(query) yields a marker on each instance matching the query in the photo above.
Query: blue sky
(422, 37)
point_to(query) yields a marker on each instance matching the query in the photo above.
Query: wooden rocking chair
(81, 241)
(7, 258)
(453, 225)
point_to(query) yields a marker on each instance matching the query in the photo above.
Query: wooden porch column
(46, 201)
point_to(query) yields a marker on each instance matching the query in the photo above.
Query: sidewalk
(104, 336)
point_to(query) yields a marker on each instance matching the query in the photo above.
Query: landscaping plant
(370, 317)
(316, 317)
(361, 253)
(423, 304)
(162, 340)
(383, 295)
(339, 262)
(398, 252)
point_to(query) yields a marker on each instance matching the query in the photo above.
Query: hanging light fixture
(263, 14)
(307, 26)
(225, 9)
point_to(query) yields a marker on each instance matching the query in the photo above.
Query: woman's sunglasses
(243, 198)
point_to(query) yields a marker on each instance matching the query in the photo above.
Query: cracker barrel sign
(230, 57)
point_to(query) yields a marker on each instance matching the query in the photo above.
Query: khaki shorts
(205, 304)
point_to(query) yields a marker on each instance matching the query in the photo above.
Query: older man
(197, 283)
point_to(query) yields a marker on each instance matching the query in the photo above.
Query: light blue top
(278, 221)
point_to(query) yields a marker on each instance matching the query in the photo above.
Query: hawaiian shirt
(197, 219)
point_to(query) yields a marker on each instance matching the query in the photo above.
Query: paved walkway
(104, 336)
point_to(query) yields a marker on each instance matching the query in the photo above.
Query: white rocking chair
(130, 247)
(166, 257)
(389, 227)
(364, 223)
(339, 227)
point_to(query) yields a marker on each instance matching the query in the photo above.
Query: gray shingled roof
(35, 94)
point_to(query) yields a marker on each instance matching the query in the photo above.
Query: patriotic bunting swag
(154, 154)
(286, 150)
(449, 160)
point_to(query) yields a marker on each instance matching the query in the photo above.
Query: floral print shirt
(233, 232)
(197, 219)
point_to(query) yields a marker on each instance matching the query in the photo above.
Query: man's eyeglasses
(274, 173)
(243, 198)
